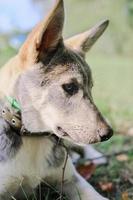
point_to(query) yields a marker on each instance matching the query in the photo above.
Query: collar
(12, 115)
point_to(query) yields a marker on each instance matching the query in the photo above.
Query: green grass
(118, 172)
(5, 54)
(113, 87)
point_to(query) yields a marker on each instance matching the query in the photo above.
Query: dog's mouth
(62, 132)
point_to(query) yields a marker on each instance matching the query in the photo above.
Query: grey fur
(10, 141)
(57, 156)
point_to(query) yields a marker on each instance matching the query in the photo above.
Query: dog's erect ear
(45, 37)
(84, 41)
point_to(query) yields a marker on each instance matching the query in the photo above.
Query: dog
(52, 82)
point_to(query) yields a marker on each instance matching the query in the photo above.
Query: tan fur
(9, 73)
(27, 55)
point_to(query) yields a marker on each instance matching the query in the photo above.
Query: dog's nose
(107, 136)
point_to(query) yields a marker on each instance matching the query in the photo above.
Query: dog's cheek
(51, 116)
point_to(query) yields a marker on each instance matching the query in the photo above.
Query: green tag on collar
(13, 103)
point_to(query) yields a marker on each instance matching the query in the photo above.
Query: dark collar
(12, 115)
(9, 115)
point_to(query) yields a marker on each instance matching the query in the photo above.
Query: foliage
(130, 12)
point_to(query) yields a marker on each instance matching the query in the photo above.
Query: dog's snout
(107, 136)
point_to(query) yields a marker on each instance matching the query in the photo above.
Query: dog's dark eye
(3, 112)
(13, 121)
(70, 88)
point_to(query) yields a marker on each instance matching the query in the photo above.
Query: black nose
(107, 136)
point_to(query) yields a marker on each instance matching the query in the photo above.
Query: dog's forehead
(69, 63)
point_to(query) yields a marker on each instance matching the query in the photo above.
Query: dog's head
(55, 88)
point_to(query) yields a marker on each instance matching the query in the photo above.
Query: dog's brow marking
(84, 69)
(65, 60)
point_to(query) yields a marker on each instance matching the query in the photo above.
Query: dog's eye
(3, 111)
(13, 121)
(70, 88)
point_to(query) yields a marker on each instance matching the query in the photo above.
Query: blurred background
(111, 60)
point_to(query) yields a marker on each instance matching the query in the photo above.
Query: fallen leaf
(86, 170)
(125, 196)
(122, 157)
(106, 186)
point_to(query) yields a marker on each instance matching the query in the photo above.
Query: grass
(5, 54)
(113, 91)
(113, 94)
(119, 172)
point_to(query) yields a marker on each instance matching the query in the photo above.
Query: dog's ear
(84, 41)
(45, 37)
